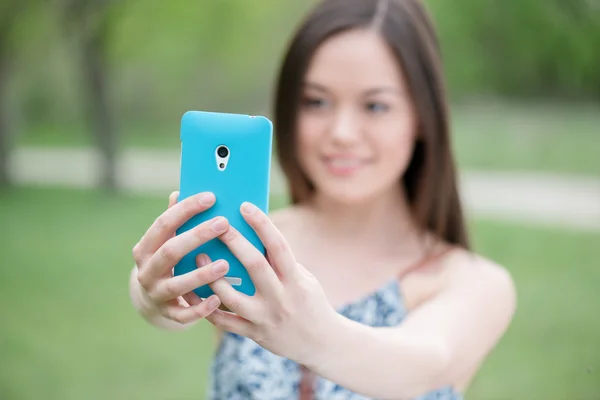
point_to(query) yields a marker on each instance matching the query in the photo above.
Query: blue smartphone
(230, 156)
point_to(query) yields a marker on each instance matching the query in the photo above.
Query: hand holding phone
(228, 155)
(160, 297)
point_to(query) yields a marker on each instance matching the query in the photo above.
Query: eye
(314, 102)
(377, 107)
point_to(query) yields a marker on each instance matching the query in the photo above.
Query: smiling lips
(344, 165)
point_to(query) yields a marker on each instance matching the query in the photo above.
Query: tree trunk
(99, 106)
(5, 126)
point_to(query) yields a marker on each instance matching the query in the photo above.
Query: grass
(69, 332)
(556, 138)
(551, 350)
(561, 138)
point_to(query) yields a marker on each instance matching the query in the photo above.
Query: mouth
(344, 165)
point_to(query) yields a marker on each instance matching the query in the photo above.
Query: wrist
(325, 342)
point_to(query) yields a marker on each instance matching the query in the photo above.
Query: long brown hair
(430, 180)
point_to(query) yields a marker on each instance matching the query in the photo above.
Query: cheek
(396, 153)
(395, 150)
(308, 139)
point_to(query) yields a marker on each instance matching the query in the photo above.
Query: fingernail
(248, 208)
(219, 225)
(219, 267)
(207, 199)
(214, 301)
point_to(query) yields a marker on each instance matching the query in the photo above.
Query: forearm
(377, 362)
(144, 307)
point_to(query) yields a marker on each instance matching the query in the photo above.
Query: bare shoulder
(482, 280)
(470, 267)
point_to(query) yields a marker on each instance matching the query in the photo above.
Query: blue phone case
(245, 177)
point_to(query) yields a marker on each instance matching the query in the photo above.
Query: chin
(349, 194)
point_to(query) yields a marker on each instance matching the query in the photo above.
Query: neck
(385, 220)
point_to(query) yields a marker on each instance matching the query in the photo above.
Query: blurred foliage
(521, 48)
(168, 57)
(164, 57)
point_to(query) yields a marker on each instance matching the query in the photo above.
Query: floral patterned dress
(242, 370)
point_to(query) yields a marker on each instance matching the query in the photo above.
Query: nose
(345, 128)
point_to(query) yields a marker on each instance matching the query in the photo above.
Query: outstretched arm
(290, 316)
(433, 347)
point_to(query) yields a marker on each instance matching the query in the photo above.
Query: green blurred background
(81, 77)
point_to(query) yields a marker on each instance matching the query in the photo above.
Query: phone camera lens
(222, 152)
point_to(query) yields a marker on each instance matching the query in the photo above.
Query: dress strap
(425, 260)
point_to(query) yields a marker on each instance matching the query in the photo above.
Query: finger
(175, 248)
(138, 254)
(192, 298)
(202, 259)
(230, 322)
(262, 274)
(165, 226)
(239, 303)
(173, 198)
(277, 247)
(172, 201)
(186, 315)
(177, 286)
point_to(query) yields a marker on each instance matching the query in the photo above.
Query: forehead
(358, 59)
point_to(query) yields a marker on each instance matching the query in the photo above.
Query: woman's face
(356, 124)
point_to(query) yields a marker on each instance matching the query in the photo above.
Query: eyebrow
(372, 91)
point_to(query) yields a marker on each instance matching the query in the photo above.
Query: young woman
(370, 289)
